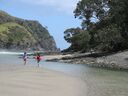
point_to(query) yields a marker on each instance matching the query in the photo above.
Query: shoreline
(112, 61)
(34, 81)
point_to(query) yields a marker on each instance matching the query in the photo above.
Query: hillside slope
(16, 33)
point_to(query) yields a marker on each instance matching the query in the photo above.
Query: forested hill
(104, 26)
(16, 33)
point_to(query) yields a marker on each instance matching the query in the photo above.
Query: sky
(56, 15)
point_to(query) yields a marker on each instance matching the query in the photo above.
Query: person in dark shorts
(25, 58)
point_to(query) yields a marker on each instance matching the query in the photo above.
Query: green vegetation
(78, 38)
(104, 25)
(16, 33)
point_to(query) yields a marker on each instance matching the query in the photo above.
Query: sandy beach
(19, 80)
(50, 57)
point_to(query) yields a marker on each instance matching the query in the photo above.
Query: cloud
(65, 6)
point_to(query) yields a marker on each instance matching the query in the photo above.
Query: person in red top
(38, 58)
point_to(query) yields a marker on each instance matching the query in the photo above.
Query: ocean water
(100, 82)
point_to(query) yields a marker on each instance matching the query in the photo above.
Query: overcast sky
(57, 15)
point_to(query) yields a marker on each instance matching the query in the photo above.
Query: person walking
(25, 58)
(38, 58)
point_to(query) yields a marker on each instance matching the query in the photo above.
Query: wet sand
(19, 80)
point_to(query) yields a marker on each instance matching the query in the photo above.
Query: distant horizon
(56, 20)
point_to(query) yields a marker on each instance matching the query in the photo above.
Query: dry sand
(49, 57)
(22, 80)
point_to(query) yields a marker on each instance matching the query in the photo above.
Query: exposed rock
(114, 61)
(16, 33)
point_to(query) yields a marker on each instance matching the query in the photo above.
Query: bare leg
(24, 62)
(38, 62)
(38, 65)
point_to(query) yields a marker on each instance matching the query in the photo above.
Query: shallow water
(101, 82)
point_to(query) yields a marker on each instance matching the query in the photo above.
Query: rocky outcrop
(16, 33)
(114, 61)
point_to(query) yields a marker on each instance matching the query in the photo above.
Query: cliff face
(16, 33)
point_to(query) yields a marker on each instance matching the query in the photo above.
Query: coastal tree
(105, 22)
(91, 11)
(109, 38)
(69, 33)
(78, 39)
